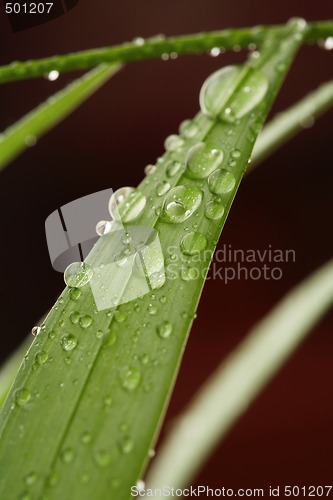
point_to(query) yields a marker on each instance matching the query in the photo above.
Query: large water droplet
(130, 378)
(173, 142)
(126, 204)
(202, 159)
(180, 203)
(232, 92)
(68, 342)
(164, 330)
(214, 210)
(78, 274)
(193, 243)
(221, 181)
(22, 396)
(30, 479)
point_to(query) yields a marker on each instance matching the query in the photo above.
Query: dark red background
(286, 436)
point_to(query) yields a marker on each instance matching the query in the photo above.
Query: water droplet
(188, 129)
(164, 330)
(202, 159)
(53, 75)
(22, 397)
(120, 316)
(52, 334)
(173, 142)
(103, 227)
(232, 92)
(74, 317)
(214, 210)
(140, 485)
(130, 378)
(163, 299)
(126, 204)
(126, 444)
(151, 453)
(85, 321)
(327, 44)
(162, 188)
(221, 181)
(68, 455)
(30, 479)
(152, 309)
(193, 243)
(99, 334)
(35, 330)
(108, 401)
(235, 153)
(103, 458)
(139, 41)
(215, 51)
(150, 169)
(41, 357)
(172, 167)
(78, 274)
(189, 273)
(74, 293)
(180, 203)
(86, 438)
(68, 342)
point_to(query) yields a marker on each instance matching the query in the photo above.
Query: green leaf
(229, 392)
(278, 133)
(88, 401)
(155, 47)
(39, 121)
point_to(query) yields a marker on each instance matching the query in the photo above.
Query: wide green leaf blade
(35, 124)
(88, 401)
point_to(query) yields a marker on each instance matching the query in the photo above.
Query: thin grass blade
(35, 124)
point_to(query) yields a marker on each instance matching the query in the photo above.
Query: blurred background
(286, 437)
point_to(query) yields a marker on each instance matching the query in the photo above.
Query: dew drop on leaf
(126, 204)
(232, 92)
(180, 203)
(188, 129)
(193, 243)
(214, 210)
(103, 458)
(162, 188)
(74, 293)
(85, 321)
(22, 396)
(78, 274)
(221, 181)
(173, 142)
(68, 342)
(35, 330)
(130, 378)
(126, 444)
(201, 160)
(172, 167)
(103, 227)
